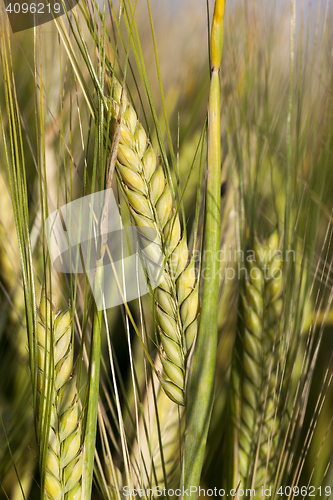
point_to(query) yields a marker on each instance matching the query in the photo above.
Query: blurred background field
(255, 82)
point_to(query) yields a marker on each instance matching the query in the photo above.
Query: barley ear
(256, 368)
(63, 468)
(151, 205)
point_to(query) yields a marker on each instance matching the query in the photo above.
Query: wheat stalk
(151, 205)
(63, 469)
(255, 369)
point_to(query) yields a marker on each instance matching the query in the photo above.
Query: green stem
(200, 387)
(92, 409)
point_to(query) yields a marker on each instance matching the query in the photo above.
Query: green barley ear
(256, 370)
(151, 205)
(63, 469)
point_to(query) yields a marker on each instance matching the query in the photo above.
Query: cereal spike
(63, 468)
(151, 205)
(255, 359)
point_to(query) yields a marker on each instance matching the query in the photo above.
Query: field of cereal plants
(166, 276)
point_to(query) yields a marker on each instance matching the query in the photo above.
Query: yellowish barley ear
(63, 469)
